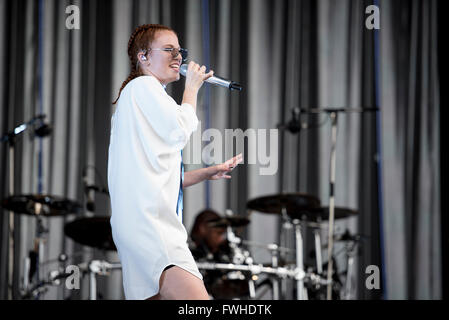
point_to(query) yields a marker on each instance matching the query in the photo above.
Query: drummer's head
(201, 231)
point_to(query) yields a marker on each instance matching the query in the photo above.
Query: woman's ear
(141, 57)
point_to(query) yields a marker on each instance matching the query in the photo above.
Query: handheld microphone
(231, 85)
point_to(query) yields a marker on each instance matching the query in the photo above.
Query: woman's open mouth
(175, 66)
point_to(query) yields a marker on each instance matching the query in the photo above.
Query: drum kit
(237, 278)
(233, 279)
(94, 232)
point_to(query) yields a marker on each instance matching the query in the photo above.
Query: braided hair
(140, 40)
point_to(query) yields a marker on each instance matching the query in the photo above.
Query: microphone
(295, 126)
(231, 85)
(43, 130)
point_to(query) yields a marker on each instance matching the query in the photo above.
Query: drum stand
(350, 253)
(101, 268)
(10, 138)
(333, 112)
(301, 293)
(318, 256)
(240, 256)
(274, 249)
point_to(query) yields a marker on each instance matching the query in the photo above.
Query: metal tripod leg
(319, 262)
(93, 280)
(300, 294)
(275, 280)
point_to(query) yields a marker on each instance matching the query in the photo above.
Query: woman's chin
(175, 78)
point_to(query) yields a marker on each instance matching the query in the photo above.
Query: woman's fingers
(208, 75)
(233, 162)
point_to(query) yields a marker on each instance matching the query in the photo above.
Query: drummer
(209, 242)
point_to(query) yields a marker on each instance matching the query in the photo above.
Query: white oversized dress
(148, 131)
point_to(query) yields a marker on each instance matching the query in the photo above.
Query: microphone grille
(183, 69)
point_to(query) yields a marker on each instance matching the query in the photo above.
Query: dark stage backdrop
(287, 54)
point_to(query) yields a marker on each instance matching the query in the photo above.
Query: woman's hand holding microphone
(195, 78)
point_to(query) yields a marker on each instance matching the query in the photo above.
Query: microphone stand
(333, 113)
(10, 138)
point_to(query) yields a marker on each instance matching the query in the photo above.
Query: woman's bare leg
(179, 284)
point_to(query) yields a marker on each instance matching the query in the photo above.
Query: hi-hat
(235, 221)
(91, 231)
(41, 205)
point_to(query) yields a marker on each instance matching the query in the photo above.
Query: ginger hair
(140, 40)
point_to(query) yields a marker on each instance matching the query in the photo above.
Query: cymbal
(235, 221)
(91, 231)
(41, 205)
(292, 202)
(322, 214)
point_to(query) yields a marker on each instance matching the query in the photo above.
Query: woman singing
(145, 171)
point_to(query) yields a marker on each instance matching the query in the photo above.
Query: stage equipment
(39, 205)
(231, 85)
(233, 222)
(41, 129)
(333, 115)
(93, 232)
(287, 205)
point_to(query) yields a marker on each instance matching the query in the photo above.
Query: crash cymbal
(235, 221)
(292, 202)
(41, 205)
(91, 231)
(322, 214)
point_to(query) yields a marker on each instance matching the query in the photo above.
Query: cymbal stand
(300, 290)
(275, 254)
(350, 253)
(318, 256)
(333, 112)
(39, 241)
(10, 138)
(240, 256)
(333, 116)
(237, 254)
(285, 227)
(99, 267)
(11, 221)
(274, 263)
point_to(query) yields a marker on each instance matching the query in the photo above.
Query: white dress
(148, 131)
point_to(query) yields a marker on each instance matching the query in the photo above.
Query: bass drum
(228, 286)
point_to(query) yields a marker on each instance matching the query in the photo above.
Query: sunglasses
(174, 52)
